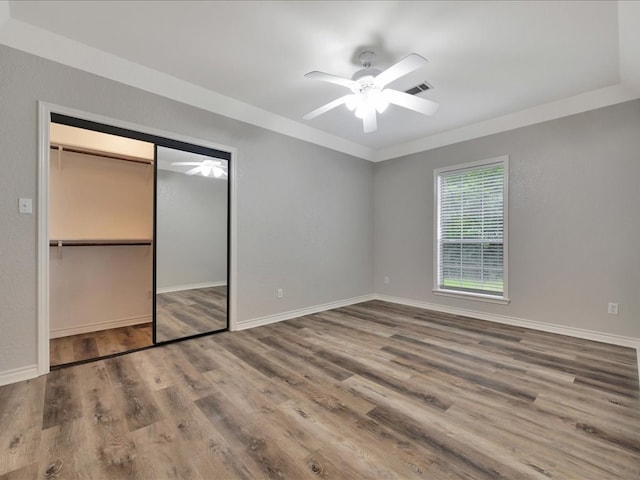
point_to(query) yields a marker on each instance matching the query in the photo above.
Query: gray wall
(574, 220)
(305, 213)
(191, 229)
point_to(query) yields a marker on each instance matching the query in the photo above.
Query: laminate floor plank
(429, 430)
(245, 378)
(190, 312)
(28, 471)
(254, 398)
(200, 358)
(110, 451)
(102, 343)
(370, 391)
(62, 401)
(344, 448)
(163, 454)
(580, 346)
(210, 452)
(184, 374)
(564, 450)
(268, 459)
(61, 351)
(21, 406)
(57, 458)
(298, 353)
(316, 387)
(153, 368)
(133, 394)
(85, 347)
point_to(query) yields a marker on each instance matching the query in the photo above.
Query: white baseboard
(94, 327)
(193, 286)
(518, 322)
(279, 317)
(610, 338)
(18, 374)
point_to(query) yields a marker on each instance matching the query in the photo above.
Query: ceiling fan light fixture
(361, 111)
(353, 101)
(369, 100)
(370, 93)
(378, 100)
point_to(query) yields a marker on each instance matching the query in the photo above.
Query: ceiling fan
(206, 168)
(369, 93)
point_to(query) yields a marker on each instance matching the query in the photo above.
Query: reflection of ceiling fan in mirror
(206, 168)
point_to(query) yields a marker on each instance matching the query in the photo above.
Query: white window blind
(471, 206)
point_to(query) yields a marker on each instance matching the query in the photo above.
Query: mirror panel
(191, 244)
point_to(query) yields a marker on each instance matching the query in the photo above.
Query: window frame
(484, 297)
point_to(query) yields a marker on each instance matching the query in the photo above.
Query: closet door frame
(45, 111)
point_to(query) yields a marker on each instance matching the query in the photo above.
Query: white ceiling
(493, 65)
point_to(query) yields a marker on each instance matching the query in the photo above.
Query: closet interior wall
(101, 228)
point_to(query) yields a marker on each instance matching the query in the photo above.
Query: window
(471, 227)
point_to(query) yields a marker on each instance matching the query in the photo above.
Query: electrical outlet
(280, 293)
(612, 308)
(387, 280)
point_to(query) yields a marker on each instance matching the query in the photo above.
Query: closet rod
(76, 243)
(101, 154)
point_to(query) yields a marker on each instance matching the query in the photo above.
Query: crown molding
(45, 44)
(602, 97)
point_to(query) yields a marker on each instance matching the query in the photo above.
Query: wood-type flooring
(179, 314)
(371, 391)
(85, 346)
(190, 312)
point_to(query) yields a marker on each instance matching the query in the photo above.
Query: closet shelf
(99, 242)
(99, 153)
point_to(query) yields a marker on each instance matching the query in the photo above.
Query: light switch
(25, 205)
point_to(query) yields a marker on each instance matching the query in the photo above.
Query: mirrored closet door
(138, 240)
(192, 191)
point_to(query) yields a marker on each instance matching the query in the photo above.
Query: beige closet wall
(96, 288)
(95, 198)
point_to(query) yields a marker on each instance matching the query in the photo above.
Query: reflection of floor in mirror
(189, 312)
(76, 348)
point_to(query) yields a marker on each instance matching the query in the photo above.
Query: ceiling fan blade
(186, 163)
(193, 171)
(407, 65)
(327, 77)
(417, 104)
(370, 122)
(326, 108)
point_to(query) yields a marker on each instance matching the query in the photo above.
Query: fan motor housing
(366, 72)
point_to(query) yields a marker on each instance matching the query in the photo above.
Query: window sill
(472, 296)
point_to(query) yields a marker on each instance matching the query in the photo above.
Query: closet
(101, 194)
(138, 235)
